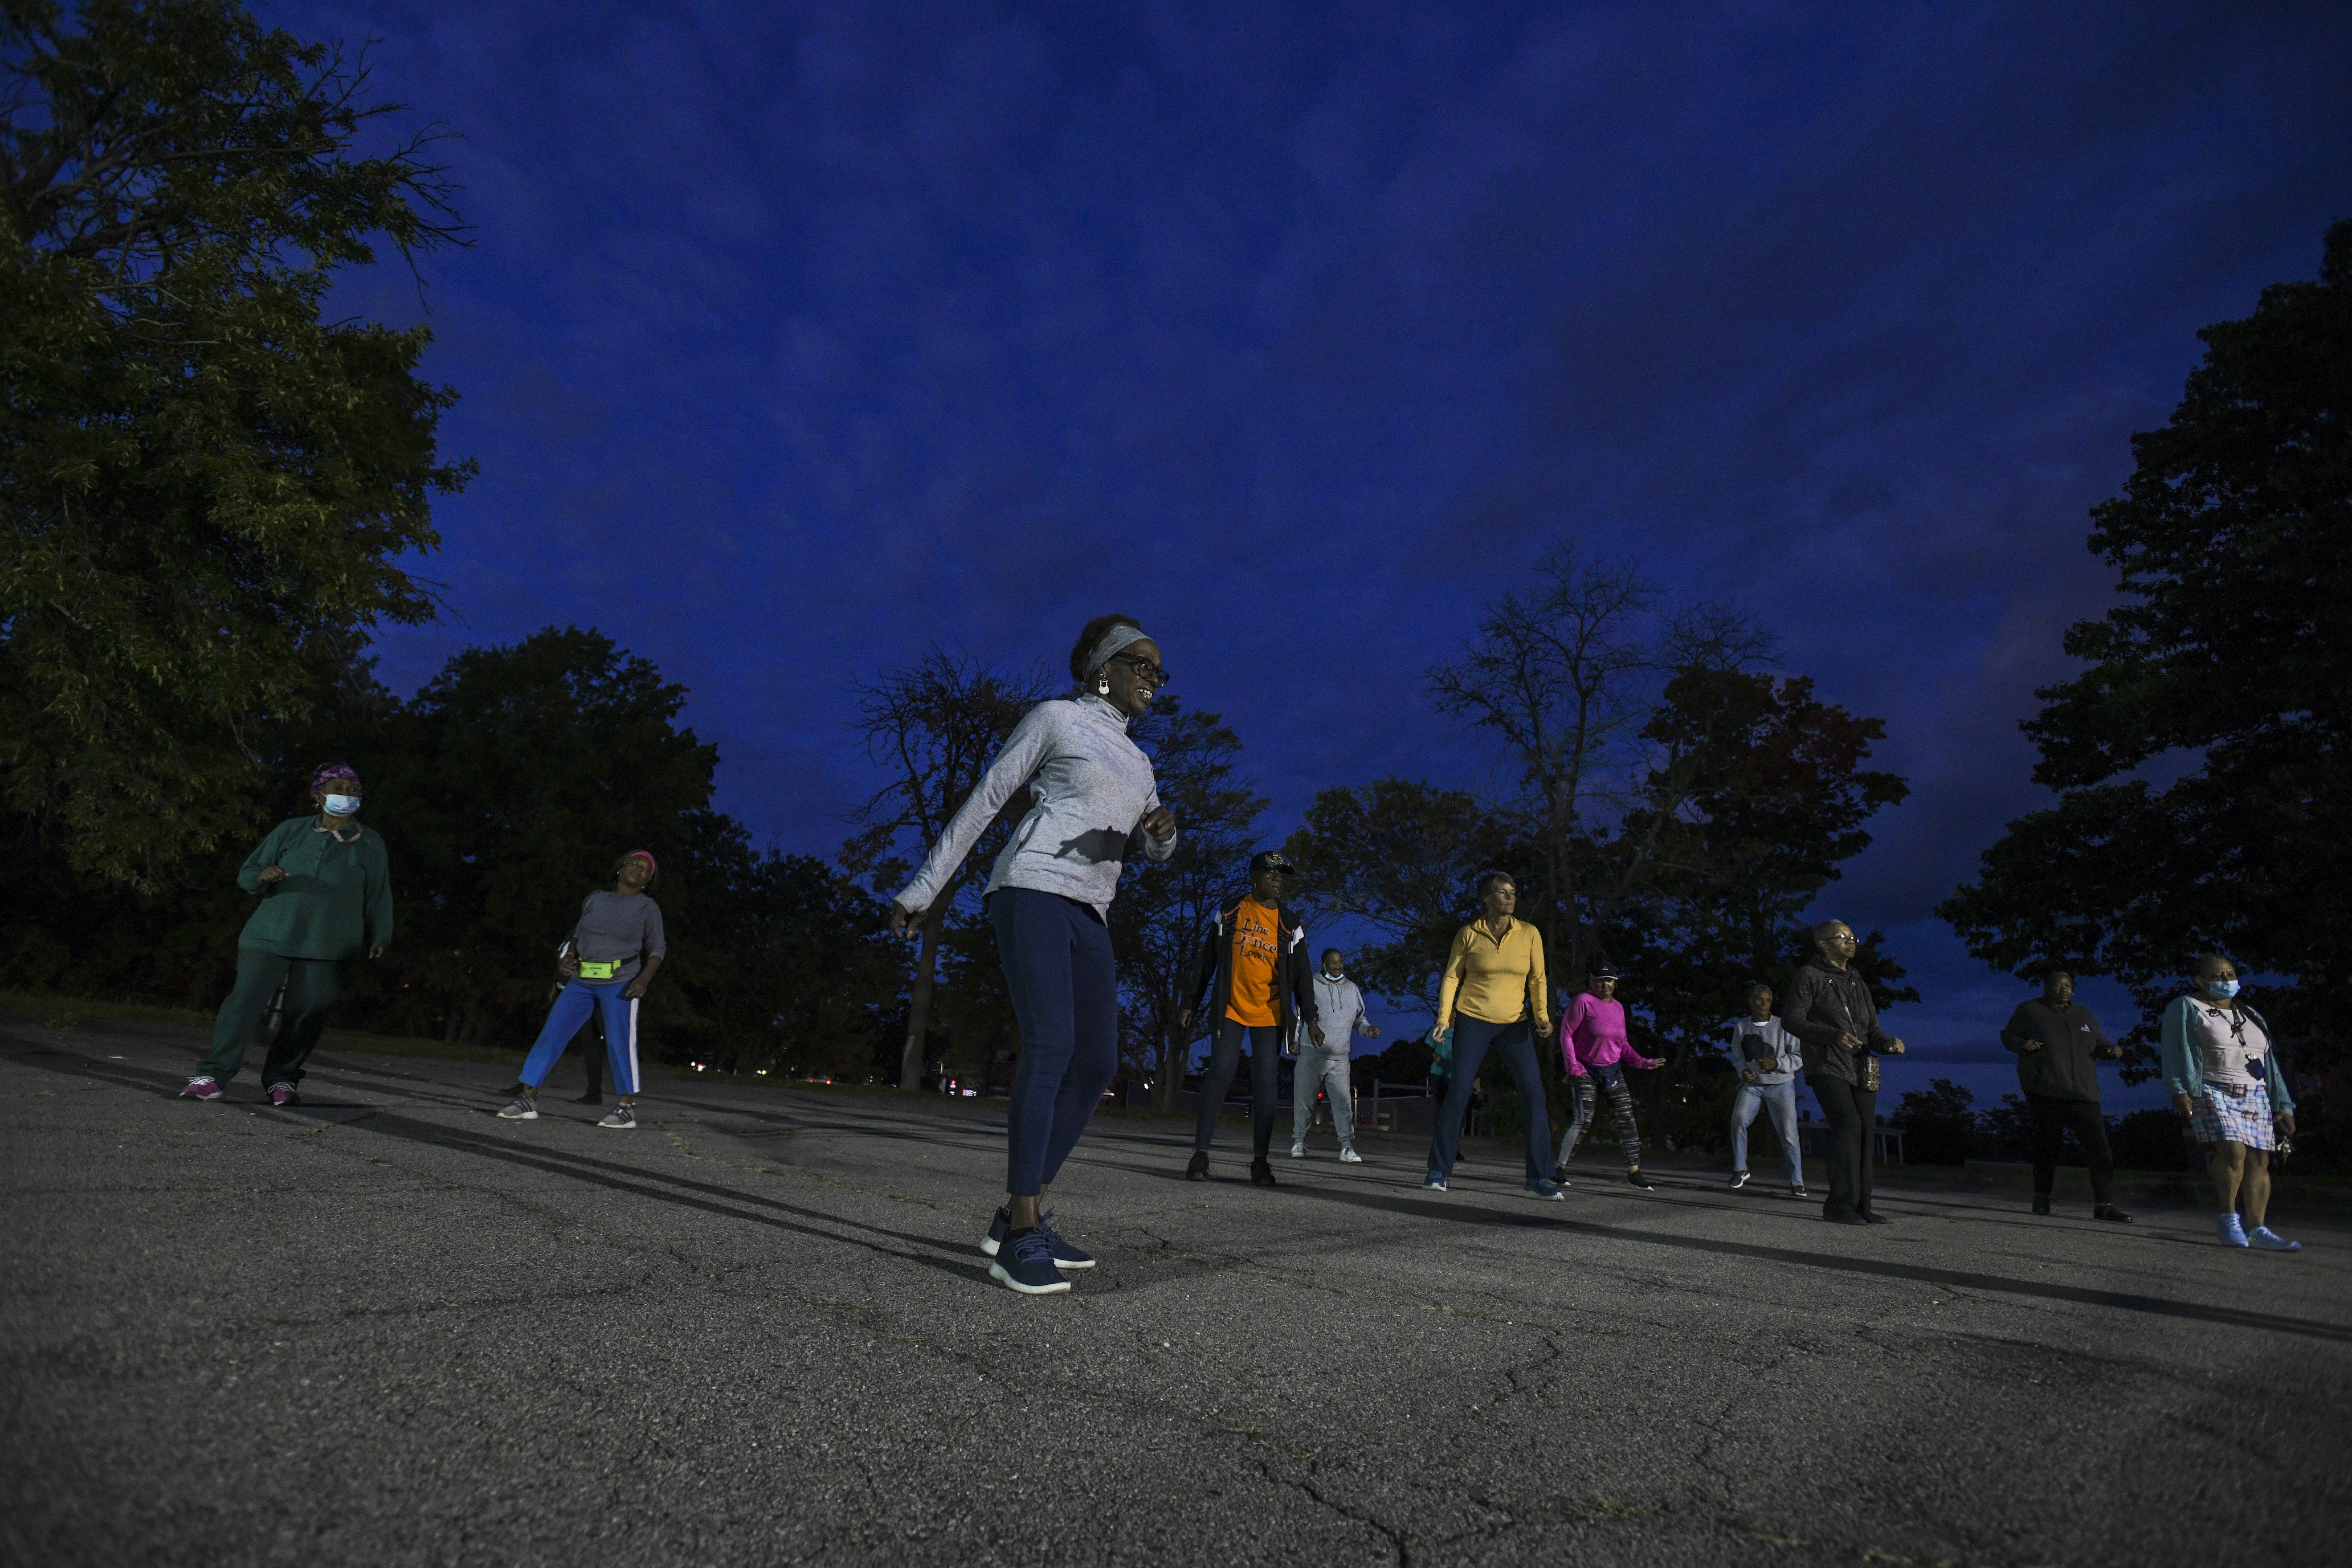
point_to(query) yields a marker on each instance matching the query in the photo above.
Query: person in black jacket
(1257, 956)
(2059, 1047)
(1828, 1008)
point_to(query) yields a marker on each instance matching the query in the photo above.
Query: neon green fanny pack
(596, 970)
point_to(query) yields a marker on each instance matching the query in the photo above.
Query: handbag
(1866, 1073)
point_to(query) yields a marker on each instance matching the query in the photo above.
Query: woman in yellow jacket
(1493, 990)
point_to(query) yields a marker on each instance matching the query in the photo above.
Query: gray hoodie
(1090, 788)
(1339, 1009)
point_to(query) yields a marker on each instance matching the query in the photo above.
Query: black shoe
(1634, 1178)
(1198, 1170)
(1842, 1217)
(513, 1090)
(1560, 1175)
(2042, 1203)
(1870, 1216)
(2109, 1211)
(1261, 1173)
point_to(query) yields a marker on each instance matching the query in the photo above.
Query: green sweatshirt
(329, 890)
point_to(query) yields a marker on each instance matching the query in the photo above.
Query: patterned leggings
(1621, 1106)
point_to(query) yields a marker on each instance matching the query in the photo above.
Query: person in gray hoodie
(1339, 1006)
(1767, 1058)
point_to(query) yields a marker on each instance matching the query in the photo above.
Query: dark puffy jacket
(1824, 1002)
(2067, 1065)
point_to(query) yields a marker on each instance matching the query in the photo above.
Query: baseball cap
(1271, 861)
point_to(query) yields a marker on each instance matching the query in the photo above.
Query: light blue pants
(1320, 1067)
(571, 1008)
(1780, 1099)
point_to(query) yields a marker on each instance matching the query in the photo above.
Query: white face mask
(342, 804)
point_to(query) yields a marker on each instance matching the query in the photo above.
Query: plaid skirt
(2221, 1117)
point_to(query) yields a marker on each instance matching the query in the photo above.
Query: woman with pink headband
(606, 965)
(326, 896)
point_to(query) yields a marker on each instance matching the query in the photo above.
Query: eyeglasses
(1147, 671)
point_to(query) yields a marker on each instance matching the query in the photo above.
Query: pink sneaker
(284, 1094)
(200, 1089)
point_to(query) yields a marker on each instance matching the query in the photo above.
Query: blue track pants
(571, 1008)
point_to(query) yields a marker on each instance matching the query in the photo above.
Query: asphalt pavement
(387, 1328)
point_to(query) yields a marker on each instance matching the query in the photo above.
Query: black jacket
(2067, 1065)
(1293, 973)
(1824, 1002)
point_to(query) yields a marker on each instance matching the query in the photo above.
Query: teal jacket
(335, 899)
(2184, 1070)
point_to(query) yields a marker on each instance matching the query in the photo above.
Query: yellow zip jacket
(1498, 982)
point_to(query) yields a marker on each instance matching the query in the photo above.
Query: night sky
(797, 337)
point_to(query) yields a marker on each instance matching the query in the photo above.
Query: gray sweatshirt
(1339, 1009)
(1751, 1040)
(1090, 788)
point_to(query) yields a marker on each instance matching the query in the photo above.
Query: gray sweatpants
(1327, 1070)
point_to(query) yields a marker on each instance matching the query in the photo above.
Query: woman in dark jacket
(325, 894)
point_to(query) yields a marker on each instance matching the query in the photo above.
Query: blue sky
(797, 337)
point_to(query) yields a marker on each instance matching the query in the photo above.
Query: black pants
(1852, 1115)
(2049, 1118)
(1265, 1067)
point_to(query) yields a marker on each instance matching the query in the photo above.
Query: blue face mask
(2221, 990)
(342, 804)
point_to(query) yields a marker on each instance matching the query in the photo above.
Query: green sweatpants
(312, 986)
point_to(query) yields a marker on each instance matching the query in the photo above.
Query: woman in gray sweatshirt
(1093, 800)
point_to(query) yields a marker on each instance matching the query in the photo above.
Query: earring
(1103, 687)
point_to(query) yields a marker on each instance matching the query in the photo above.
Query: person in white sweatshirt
(1341, 1008)
(1769, 1059)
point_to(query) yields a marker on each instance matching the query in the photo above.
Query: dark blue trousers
(1515, 1043)
(1064, 985)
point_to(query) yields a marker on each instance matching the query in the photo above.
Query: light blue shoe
(1434, 1185)
(2232, 1229)
(2270, 1240)
(1539, 1188)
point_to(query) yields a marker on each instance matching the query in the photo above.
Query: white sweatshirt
(1090, 788)
(1339, 1009)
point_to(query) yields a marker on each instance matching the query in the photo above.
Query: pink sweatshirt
(1593, 1035)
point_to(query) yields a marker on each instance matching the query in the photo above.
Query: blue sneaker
(1434, 1185)
(1027, 1265)
(2232, 1229)
(1539, 1188)
(1065, 1255)
(2270, 1240)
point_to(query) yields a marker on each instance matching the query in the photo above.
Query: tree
(208, 488)
(933, 725)
(2231, 651)
(1564, 675)
(505, 790)
(1162, 915)
(1754, 796)
(1398, 856)
(1939, 1127)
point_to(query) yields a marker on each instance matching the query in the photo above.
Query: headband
(1118, 637)
(326, 770)
(645, 855)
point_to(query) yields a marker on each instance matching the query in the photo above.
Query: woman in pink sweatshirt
(1593, 1043)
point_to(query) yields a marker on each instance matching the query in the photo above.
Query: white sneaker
(623, 1115)
(1348, 1156)
(1299, 1151)
(524, 1109)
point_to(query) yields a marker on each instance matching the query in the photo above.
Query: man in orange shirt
(1256, 955)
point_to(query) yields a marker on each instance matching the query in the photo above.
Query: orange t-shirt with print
(1258, 938)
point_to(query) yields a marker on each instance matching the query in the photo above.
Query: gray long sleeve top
(1090, 786)
(1339, 1009)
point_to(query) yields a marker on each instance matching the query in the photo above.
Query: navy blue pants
(1515, 1043)
(1064, 985)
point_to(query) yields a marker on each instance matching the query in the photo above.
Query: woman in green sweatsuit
(324, 890)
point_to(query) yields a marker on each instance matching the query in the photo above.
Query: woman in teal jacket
(324, 892)
(2223, 1069)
